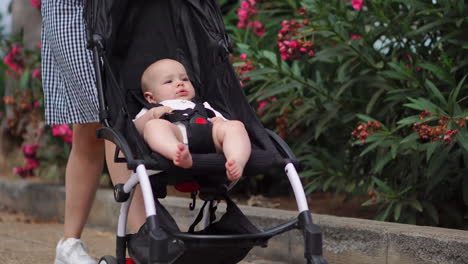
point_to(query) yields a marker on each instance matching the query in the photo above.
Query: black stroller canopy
(139, 32)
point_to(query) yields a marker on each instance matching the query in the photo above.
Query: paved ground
(26, 240)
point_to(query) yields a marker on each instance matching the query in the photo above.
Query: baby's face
(169, 81)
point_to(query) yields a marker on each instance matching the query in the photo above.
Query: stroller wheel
(108, 260)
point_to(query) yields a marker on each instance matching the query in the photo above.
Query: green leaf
(368, 203)
(382, 162)
(373, 100)
(369, 148)
(435, 91)
(431, 147)
(411, 137)
(271, 56)
(24, 81)
(279, 88)
(416, 205)
(397, 211)
(324, 121)
(410, 120)
(427, 27)
(365, 117)
(394, 150)
(462, 138)
(263, 71)
(384, 216)
(296, 70)
(383, 186)
(395, 75)
(454, 94)
(438, 71)
(424, 104)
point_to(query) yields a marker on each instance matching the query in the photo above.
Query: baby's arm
(153, 113)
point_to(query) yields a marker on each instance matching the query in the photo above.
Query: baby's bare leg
(232, 139)
(165, 138)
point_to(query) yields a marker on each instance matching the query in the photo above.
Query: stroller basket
(126, 37)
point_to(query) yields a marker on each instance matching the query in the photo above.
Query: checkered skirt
(67, 66)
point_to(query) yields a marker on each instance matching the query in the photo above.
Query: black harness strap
(199, 128)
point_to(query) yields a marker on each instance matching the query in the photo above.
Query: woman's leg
(165, 138)
(232, 139)
(120, 174)
(84, 168)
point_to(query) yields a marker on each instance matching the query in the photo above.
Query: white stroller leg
(145, 184)
(124, 208)
(297, 187)
(123, 216)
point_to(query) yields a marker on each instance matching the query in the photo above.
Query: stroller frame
(123, 193)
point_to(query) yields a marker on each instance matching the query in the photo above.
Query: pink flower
(302, 11)
(68, 139)
(60, 130)
(355, 37)
(36, 4)
(292, 44)
(257, 27)
(36, 73)
(243, 56)
(31, 164)
(15, 50)
(245, 5)
(284, 56)
(264, 103)
(36, 104)
(30, 150)
(261, 105)
(357, 4)
(18, 170)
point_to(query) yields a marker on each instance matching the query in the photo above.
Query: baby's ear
(149, 97)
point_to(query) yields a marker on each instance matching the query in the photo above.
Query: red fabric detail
(129, 261)
(200, 121)
(187, 187)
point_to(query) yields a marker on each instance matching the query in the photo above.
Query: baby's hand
(160, 110)
(216, 119)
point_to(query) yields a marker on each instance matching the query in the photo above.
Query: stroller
(126, 37)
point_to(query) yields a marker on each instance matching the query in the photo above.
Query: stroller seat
(127, 36)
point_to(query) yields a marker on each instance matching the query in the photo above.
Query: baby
(166, 82)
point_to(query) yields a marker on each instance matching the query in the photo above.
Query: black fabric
(195, 250)
(192, 32)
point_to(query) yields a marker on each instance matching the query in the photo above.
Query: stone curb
(346, 240)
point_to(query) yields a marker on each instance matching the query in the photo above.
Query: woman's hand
(157, 112)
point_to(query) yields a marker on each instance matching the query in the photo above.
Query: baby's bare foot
(183, 158)
(233, 170)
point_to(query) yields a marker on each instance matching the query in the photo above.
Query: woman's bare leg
(120, 174)
(233, 140)
(165, 138)
(82, 174)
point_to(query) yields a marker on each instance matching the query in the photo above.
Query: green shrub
(379, 108)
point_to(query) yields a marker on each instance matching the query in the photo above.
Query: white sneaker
(72, 251)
